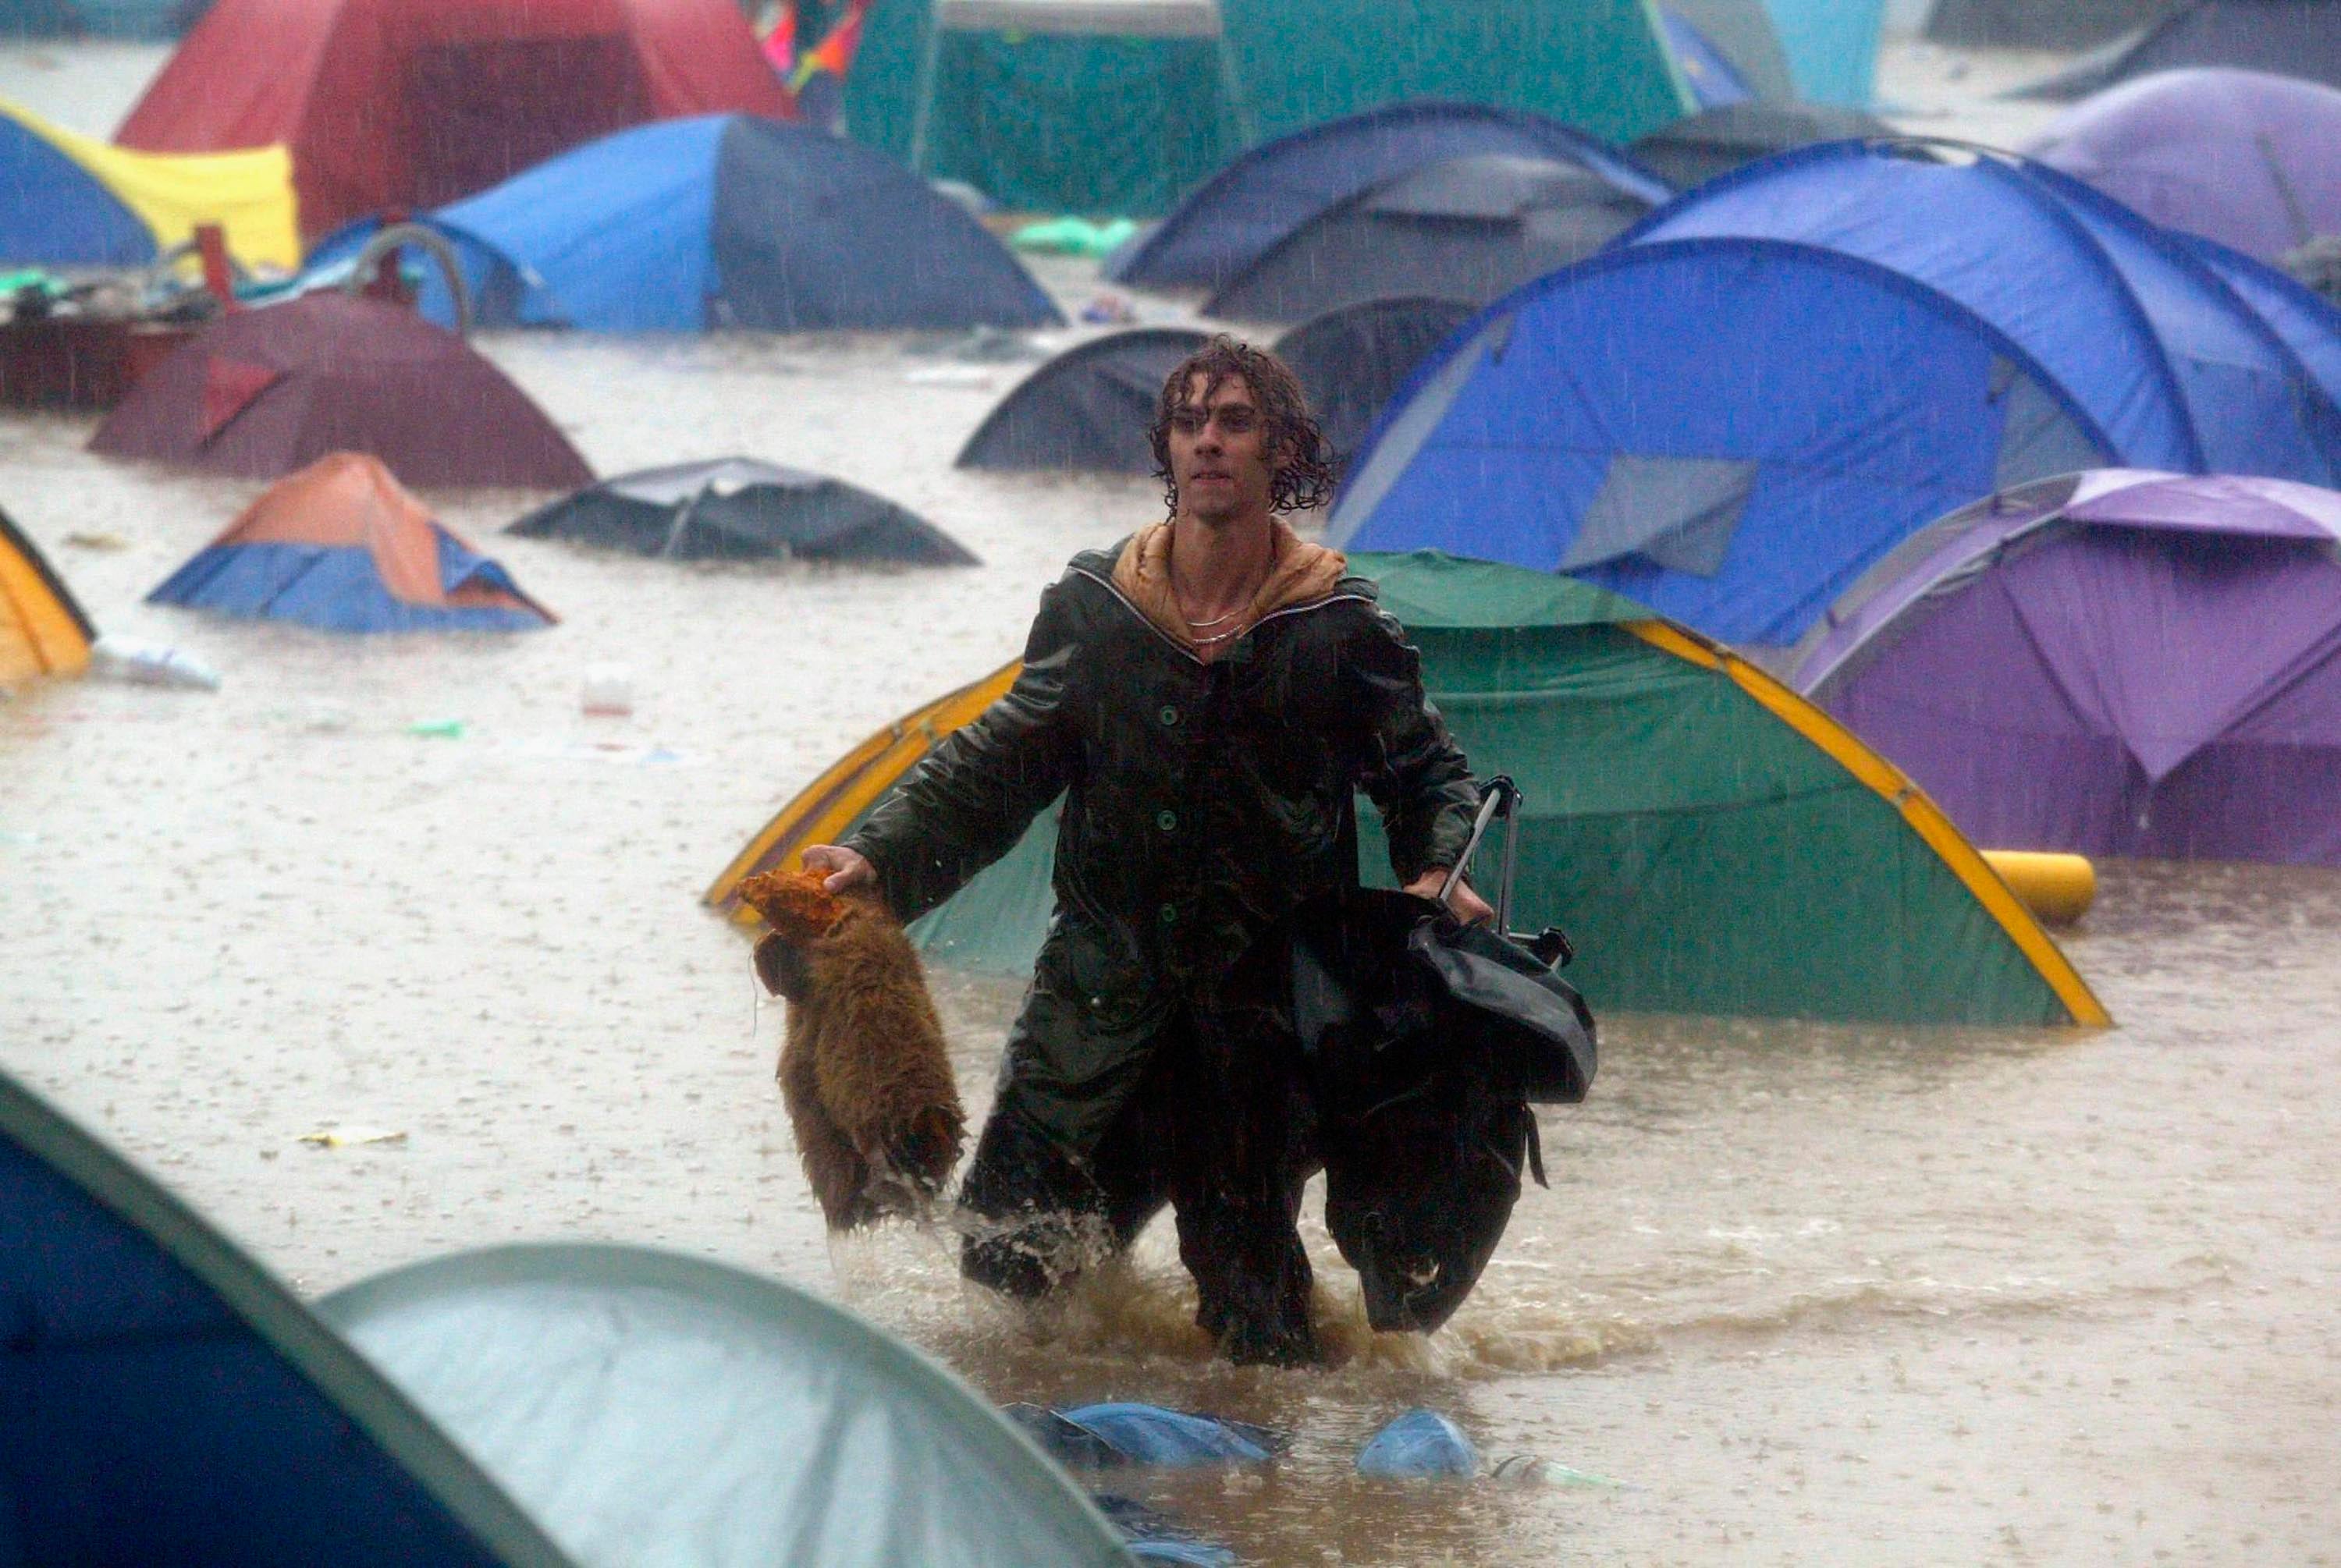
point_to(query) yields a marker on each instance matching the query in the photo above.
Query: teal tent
(1832, 47)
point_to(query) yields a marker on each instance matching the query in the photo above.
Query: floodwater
(1813, 1293)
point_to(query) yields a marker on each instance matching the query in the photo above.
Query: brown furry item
(863, 1070)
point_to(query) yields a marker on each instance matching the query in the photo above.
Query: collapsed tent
(2116, 663)
(408, 104)
(2298, 38)
(342, 547)
(723, 221)
(1693, 151)
(738, 509)
(67, 200)
(636, 1400)
(1351, 361)
(2041, 23)
(1712, 842)
(1089, 409)
(1468, 228)
(264, 391)
(170, 1402)
(1122, 105)
(42, 631)
(2241, 156)
(1273, 189)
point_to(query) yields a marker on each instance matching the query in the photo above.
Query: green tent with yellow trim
(42, 630)
(1712, 842)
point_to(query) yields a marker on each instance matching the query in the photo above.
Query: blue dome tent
(724, 220)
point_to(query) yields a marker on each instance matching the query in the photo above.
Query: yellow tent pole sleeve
(827, 807)
(1890, 782)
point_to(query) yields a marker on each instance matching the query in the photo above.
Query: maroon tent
(270, 390)
(414, 103)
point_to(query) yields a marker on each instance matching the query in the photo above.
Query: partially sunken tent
(719, 222)
(652, 1407)
(738, 509)
(170, 1402)
(340, 547)
(1695, 150)
(2041, 23)
(67, 200)
(408, 104)
(265, 391)
(2287, 38)
(1087, 410)
(1276, 187)
(2118, 663)
(1712, 842)
(42, 631)
(1468, 228)
(1352, 361)
(2243, 158)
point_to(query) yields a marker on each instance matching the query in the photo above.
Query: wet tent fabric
(2298, 38)
(648, 1407)
(265, 391)
(1831, 45)
(2118, 663)
(1352, 361)
(2241, 157)
(1712, 77)
(43, 629)
(1470, 228)
(1087, 410)
(739, 509)
(2041, 23)
(67, 200)
(169, 1402)
(342, 547)
(1697, 149)
(2309, 326)
(1124, 105)
(725, 222)
(1712, 842)
(410, 104)
(1741, 34)
(1279, 185)
(1603, 422)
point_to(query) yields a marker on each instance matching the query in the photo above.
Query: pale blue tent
(1832, 47)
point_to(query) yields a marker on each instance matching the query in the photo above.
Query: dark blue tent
(165, 1401)
(741, 508)
(2287, 37)
(1279, 185)
(1088, 410)
(724, 220)
(1351, 361)
(2309, 326)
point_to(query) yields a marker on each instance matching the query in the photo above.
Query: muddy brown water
(1816, 1294)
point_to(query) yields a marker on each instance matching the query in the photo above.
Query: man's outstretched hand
(1469, 907)
(845, 868)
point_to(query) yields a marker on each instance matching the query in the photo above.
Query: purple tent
(2115, 662)
(2246, 158)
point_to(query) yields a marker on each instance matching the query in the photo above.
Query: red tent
(413, 102)
(269, 390)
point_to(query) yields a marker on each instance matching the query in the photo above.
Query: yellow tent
(42, 630)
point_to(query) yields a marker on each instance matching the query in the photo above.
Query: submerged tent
(1279, 185)
(408, 104)
(2116, 663)
(42, 631)
(66, 200)
(2243, 157)
(1089, 409)
(265, 391)
(738, 509)
(724, 220)
(1468, 228)
(169, 1402)
(1122, 106)
(342, 547)
(2041, 23)
(1693, 151)
(1710, 841)
(1351, 361)
(2287, 38)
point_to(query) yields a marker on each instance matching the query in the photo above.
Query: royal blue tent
(724, 220)
(2309, 326)
(57, 212)
(1278, 186)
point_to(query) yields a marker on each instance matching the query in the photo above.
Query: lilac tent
(2117, 662)
(2245, 158)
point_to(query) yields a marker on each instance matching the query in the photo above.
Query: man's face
(1220, 456)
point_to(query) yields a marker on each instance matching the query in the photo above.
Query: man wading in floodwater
(1207, 697)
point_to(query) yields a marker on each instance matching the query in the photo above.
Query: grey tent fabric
(2298, 38)
(1471, 228)
(2041, 23)
(1696, 149)
(2317, 265)
(1088, 410)
(740, 508)
(1677, 511)
(1353, 360)
(2036, 433)
(651, 1407)
(1742, 30)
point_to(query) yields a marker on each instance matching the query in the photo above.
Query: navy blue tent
(724, 220)
(2309, 326)
(741, 508)
(1087, 410)
(1352, 361)
(1279, 185)
(165, 1401)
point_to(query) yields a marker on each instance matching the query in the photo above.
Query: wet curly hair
(1304, 469)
